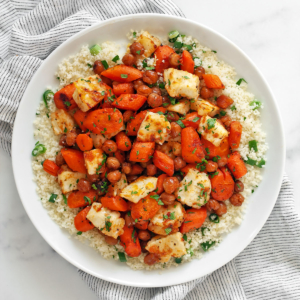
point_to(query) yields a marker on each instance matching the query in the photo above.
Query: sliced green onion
(253, 145)
(47, 96)
(256, 103)
(205, 246)
(79, 233)
(124, 76)
(38, 149)
(173, 34)
(95, 49)
(122, 257)
(178, 260)
(178, 45)
(65, 199)
(214, 218)
(240, 81)
(116, 58)
(179, 122)
(105, 64)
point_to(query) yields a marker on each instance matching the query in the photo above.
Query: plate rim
(193, 23)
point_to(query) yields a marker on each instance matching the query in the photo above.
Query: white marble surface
(268, 31)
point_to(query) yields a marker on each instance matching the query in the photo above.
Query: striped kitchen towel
(269, 268)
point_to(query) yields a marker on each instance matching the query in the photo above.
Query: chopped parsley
(256, 103)
(214, 218)
(52, 198)
(87, 199)
(240, 81)
(179, 122)
(168, 230)
(122, 257)
(253, 145)
(205, 246)
(124, 76)
(116, 58)
(211, 123)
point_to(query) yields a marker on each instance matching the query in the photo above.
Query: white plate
(84, 257)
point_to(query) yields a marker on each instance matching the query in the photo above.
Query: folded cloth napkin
(269, 268)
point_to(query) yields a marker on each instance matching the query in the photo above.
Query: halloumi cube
(94, 160)
(108, 222)
(181, 83)
(115, 189)
(181, 108)
(61, 122)
(150, 43)
(204, 107)
(167, 246)
(89, 92)
(170, 217)
(194, 189)
(68, 179)
(154, 128)
(139, 189)
(212, 130)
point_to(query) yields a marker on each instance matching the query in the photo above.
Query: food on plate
(149, 155)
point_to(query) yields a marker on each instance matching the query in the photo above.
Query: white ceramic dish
(86, 258)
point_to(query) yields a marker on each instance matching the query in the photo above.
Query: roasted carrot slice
(80, 199)
(160, 182)
(192, 120)
(81, 222)
(109, 96)
(84, 142)
(194, 218)
(222, 185)
(74, 159)
(191, 145)
(187, 62)
(104, 121)
(122, 73)
(80, 117)
(142, 152)
(123, 88)
(130, 242)
(236, 165)
(120, 155)
(129, 101)
(114, 203)
(213, 81)
(63, 99)
(123, 141)
(163, 162)
(50, 167)
(212, 151)
(235, 134)
(146, 208)
(162, 54)
(224, 101)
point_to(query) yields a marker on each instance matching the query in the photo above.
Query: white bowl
(87, 259)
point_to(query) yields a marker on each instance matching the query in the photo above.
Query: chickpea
(101, 186)
(146, 164)
(126, 168)
(132, 178)
(165, 100)
(83, 185)
(154, 100)
(175, 129)
(222, 209)
(237, 199)
(71, 138)
(226, 120)
(238, 186)
(144, 90)
(151, 170)
(151, 259)
(172, 116)
(211, 166)
(167, 199)
(156, 90)
(127, 115)
(144, 235)
(179, 163)
(174, 60)
(110, 240)
(62, 140)
(114, 176)
(137, 48)
(113, 163)
(128, 59)
(106, 80)
(93, 178)
(59, 160)
(109, 146)
(129, 221)
(98, 67)
(150, 77)
(222, 162)
(212, 205)
(199, 71)
(143, 246)
(176, 149)
(206, 93)
(170, 184)
(137, 83)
